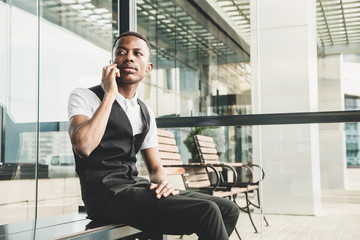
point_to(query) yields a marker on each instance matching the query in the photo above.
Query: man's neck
(127, 91)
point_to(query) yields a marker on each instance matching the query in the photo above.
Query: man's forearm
(86, 136)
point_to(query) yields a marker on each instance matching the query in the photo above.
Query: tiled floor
(340, 219)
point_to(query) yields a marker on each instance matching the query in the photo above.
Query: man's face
(132, 58)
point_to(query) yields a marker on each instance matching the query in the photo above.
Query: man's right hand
(86, 133)
(108, 79)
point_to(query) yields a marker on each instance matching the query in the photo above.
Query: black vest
(111, 166)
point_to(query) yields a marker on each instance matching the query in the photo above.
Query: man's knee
(229, 210)
(234, 210)
(210, 207)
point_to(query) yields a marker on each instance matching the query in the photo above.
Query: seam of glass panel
(259, 128)
(132, 15)
(2, 137)
(157, 59)
(38, 115)
(7, 78)
(175, 57)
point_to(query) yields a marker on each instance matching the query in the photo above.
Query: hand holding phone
(108, 80)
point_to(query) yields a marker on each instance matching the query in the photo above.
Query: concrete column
(284, 79)
(332, 136)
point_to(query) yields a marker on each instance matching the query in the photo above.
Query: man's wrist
(110, 96)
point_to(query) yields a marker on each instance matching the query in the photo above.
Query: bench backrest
(207, 151)
(194, 177)
(169, 152)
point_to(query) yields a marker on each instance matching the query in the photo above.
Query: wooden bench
(67, 226)
(208, 155)
(195, 176)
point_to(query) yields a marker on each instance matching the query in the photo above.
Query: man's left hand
(163, 189)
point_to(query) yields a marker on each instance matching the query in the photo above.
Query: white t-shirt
(83, 101)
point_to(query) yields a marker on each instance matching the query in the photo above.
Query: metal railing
(233, 120)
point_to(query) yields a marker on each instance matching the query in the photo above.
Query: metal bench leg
(237, 233)
(246, 209)
(259, 206)
(258, 197)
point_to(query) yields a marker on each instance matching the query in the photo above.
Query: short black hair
(130, 33)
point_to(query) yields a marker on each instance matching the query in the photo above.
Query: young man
(108, 126)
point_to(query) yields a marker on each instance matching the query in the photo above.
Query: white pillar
(284, 80)
(332, 136)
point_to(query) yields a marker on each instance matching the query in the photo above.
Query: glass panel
(146, 19)
(193, 60)
(306, 180)
(167, 69)
(352, 131)
(18, 110)
(76, 40)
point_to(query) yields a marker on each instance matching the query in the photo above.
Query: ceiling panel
(338, 22)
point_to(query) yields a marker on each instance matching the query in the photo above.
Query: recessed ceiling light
(68, 1)
(77, 6)
(89, 5)
(101, 10)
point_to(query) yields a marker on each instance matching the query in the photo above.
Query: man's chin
(122, 81)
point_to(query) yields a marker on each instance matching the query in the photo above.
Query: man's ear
(149, 67)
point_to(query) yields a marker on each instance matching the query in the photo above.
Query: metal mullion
(324, 16)
(127, 15)
(343, 18)
(241, 12)
(261, 119)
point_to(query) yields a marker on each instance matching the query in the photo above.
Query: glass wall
(197, 74)
(352, 131)
(19, 111)
(199, 70)
(48, 48)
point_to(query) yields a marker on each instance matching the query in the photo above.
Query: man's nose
(129, 57)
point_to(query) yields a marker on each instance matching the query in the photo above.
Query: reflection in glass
(39, 68)
(75, 43)
(352, 131)
(18, 110)
(198, 69)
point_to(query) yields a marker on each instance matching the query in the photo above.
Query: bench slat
(164, 133)
(166, 155)
(168, 141)
(170, 162)
(174, 170)
(207, 157)
(208, 150)
(204, 138)
(194, 178)
(168, 148)
(197, 184)
(206, 144)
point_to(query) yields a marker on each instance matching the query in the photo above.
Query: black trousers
(211, 218)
